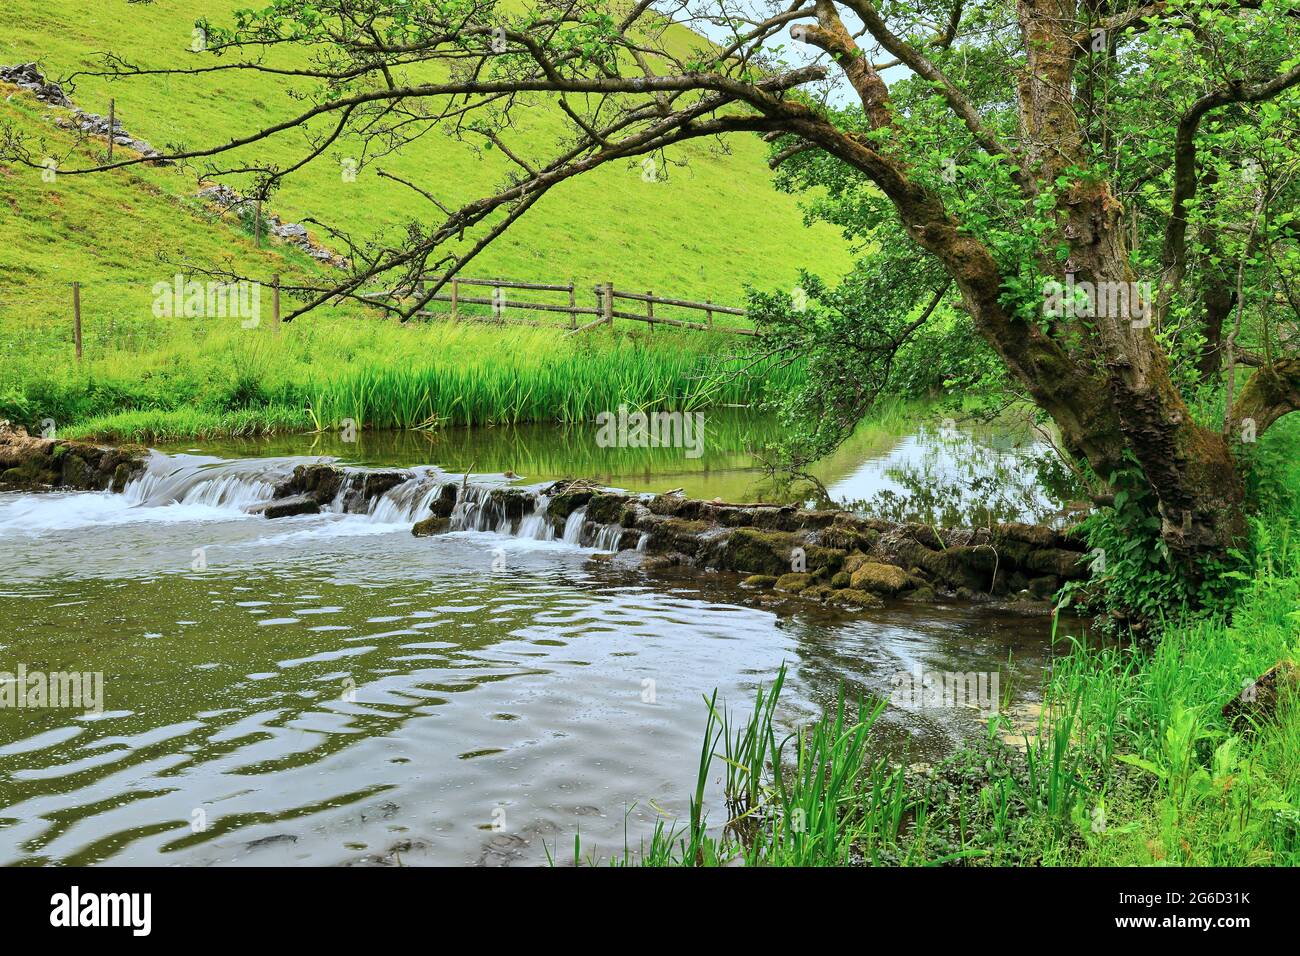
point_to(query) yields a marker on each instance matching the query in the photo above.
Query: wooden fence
(605, 311)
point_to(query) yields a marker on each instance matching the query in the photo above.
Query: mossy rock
(1068, 565)
(855, 561)
(1045, 587)
(445, 503)
(31, 474)
(567, 502)
(606, 509)
(680, 535)
(847, 537)
(754, 552)
(1258, 702)
(432, 525)
(817, 592)
(793, 582)
(817, 558)
(879, 578)
(77, 474)
(759, 581)
(842, 579)
(121, 476)
(922, 595)
(851, 597)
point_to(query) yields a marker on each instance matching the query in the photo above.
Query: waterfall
(193, 487)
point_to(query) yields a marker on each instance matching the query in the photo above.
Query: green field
(712, 227)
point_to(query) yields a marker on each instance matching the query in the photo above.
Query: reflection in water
(328, 688)
(949, 476)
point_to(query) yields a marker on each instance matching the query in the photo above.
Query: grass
(1131, 764)
(314, 375)
(713, 226)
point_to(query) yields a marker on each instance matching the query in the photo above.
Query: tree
(1129, 165)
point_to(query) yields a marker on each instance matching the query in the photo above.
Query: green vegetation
(710, 228)
(1130, 763)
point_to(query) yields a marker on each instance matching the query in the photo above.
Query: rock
(753, 551)
(287, 507)
(606, 508)
(793, 582)
(28, 77)
(842, 579)
(432, 525)
(817, 592)
(30, 463)
(683, 536)
(879, 578)
(855, 561)
(851, 597)
(1045, 587)
(1258, 701)
(923, 594)
(445, 503)
(759, 581)
(1068, 565)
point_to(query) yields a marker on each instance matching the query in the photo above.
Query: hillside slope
(712, 226)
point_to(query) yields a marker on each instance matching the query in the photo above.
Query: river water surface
(329, 689)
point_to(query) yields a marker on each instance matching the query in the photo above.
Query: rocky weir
(833, 557)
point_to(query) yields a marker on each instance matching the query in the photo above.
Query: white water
(191, 488)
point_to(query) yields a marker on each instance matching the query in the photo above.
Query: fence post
(275, 300)
(573, 304)
(708, 313)
(76, 317)
(455, 299)
(650, 310)
(257, 224)
(609, 306)
(112, 113)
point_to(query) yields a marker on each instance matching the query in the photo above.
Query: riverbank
(374, 374)
(1184, 753)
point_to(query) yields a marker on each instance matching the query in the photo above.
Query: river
(328, 689)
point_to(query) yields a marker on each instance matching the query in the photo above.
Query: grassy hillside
(712, 226)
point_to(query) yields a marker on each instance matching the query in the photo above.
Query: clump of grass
(320, 371)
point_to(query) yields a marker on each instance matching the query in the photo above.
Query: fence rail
(604, 311)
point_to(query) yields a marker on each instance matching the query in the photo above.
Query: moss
(793, 582)
(677, 534)
(842, 579)
(817, 592)
(567, 502)
(759, 581)
(851, 597)
(855, 561)
(923, 594)
(824, 559)
(606, 509)
(879, 578)
(756, 552)
(433, 525)
(846, 537)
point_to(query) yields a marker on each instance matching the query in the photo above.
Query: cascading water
(190, 487)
